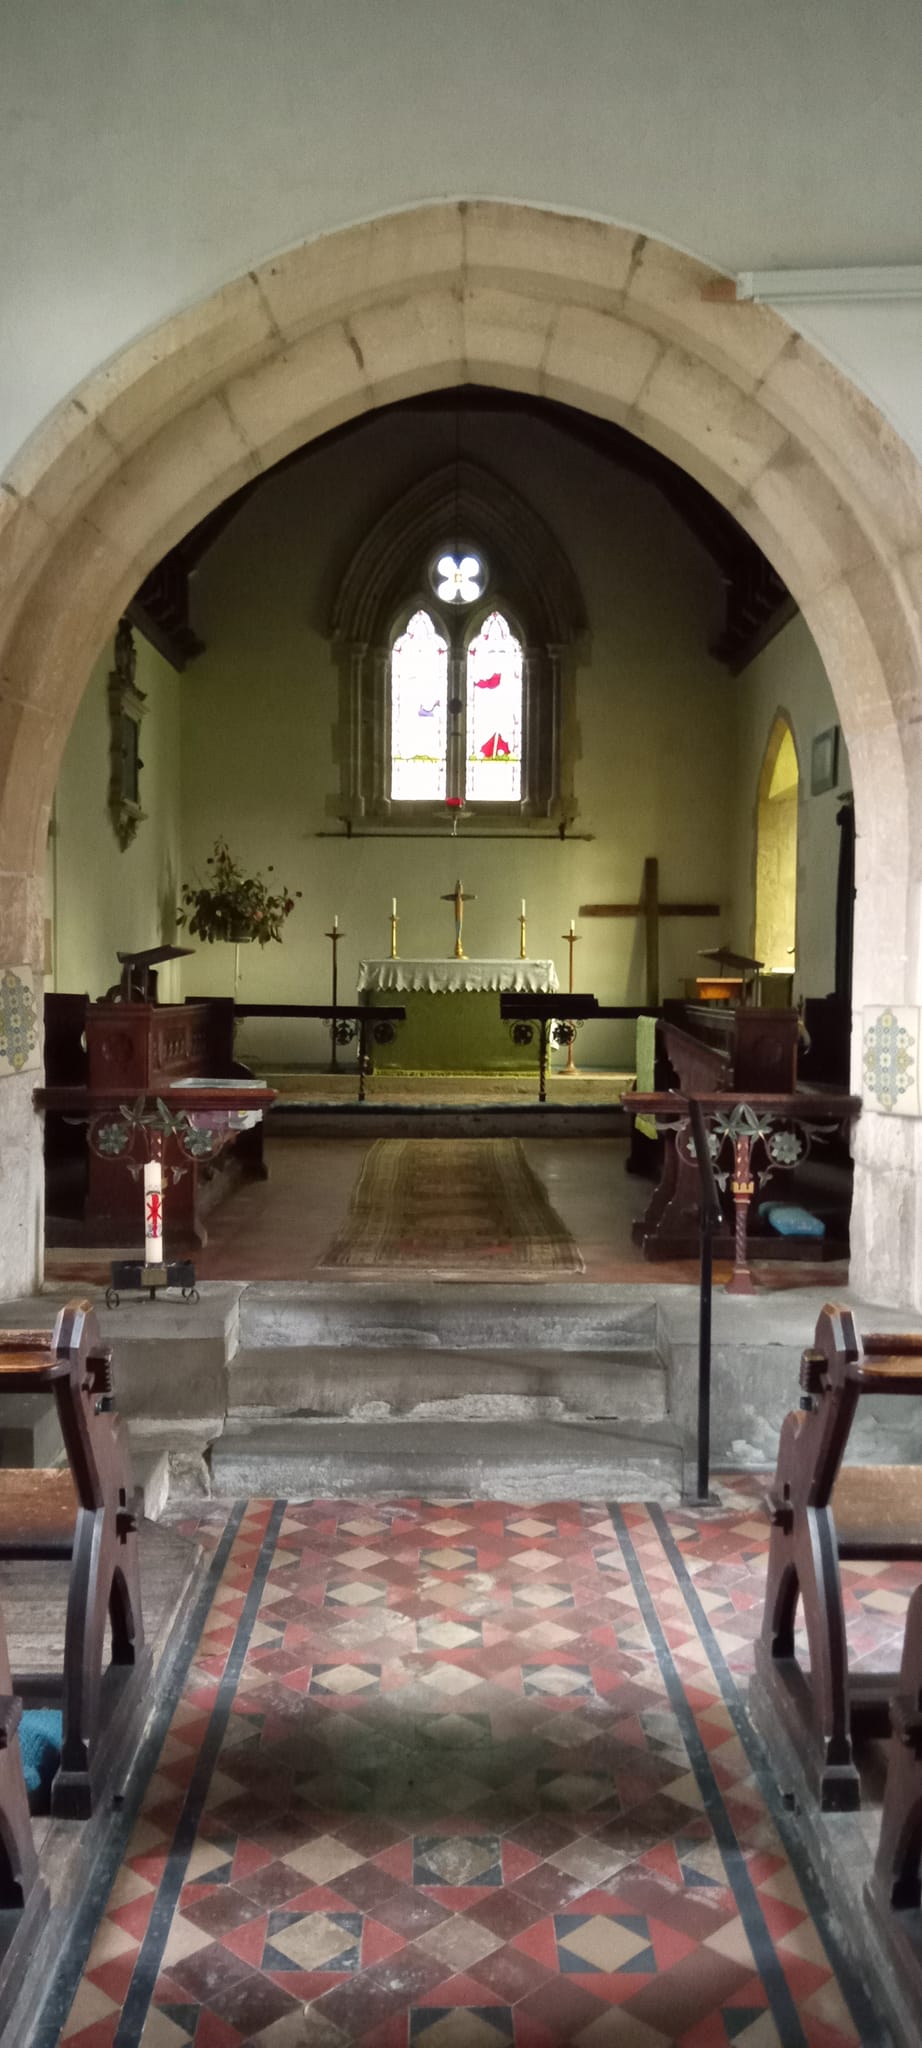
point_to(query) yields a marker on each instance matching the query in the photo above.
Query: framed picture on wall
(824, 763)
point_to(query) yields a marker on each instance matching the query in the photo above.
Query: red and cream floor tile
(464, 1774)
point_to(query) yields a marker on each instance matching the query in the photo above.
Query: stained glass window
(419, 717)
(458, 579)
(494, 714)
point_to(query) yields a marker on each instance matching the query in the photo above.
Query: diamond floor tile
(466, 1775)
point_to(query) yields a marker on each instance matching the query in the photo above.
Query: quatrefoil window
(458, 578)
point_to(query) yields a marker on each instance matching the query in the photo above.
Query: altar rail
(566, 1009)
(345, 1019)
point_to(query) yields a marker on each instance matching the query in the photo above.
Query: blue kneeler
(40, 1738)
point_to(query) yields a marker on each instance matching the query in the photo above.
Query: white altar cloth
(448, 977)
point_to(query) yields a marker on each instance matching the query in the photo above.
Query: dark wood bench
(85, 1514)
(822, 1515)
(23, 1893)
(894, 1891)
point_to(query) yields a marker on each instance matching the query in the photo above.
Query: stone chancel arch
(527, 300)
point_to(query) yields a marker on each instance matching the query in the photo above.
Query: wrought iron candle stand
(136, 1136)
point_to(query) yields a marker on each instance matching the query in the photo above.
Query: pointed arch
(777, 802)
(616, 323)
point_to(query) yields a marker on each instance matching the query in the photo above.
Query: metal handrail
(710, 1216)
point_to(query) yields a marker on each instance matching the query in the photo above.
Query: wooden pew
(24, 1901)
(83, 1513)
(821, 1515)
(894, 1891)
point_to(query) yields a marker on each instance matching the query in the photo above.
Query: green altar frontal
(453, 1025)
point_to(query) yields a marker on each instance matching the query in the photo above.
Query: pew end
(822, 1514)
(83, 1515)
(893, 1894)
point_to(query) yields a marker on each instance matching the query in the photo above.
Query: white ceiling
(152, 149)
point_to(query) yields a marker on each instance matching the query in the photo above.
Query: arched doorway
(775, 938)
(597, 316)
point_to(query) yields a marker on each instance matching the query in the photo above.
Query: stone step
(444, 1384)
(290, 1458)
(151, 1472)
(433, 1316)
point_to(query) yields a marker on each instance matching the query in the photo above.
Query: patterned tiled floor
(458, 1775)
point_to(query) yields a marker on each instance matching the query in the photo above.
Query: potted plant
(233, 906)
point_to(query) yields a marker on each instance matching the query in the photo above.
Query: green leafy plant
(233, 906)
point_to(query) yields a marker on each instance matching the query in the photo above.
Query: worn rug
(458, 1204)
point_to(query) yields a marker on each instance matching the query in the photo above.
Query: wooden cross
(458, 898)
(651, 910)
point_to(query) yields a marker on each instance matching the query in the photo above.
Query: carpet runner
(443, 1206)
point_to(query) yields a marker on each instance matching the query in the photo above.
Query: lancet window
(455, 659)
(455, 715)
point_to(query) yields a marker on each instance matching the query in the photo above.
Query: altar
(453, 1024)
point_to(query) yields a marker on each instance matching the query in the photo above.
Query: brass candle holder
(522, 953)
(394, 923)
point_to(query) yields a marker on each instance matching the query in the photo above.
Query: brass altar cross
(458, 898)
(651, 910)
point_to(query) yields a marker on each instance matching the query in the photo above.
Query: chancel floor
(602, 1088)
(281, 1229)
(454, 1774)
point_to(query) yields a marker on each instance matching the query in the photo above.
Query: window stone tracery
(513, 598)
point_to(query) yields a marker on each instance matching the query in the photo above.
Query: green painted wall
(101, 900)
(651, 716)
(666, 748)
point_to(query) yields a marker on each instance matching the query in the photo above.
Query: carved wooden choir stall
(154, 1080)
(741, 1063)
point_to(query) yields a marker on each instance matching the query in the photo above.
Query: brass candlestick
(334, 937)
(394, 923)
(522, 953)
(572, 939)
(458, 898)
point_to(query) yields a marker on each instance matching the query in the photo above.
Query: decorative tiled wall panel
(890, 1059)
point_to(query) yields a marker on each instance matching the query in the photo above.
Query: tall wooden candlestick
(334, 937)
(572, 939)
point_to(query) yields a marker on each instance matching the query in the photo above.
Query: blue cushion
(40, 1737)
(789, 1221)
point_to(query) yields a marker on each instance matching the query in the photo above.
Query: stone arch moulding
(530, 300)
(531, 577)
